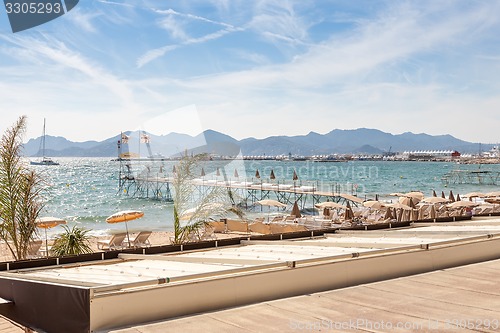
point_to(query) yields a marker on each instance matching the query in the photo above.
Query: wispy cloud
(83, 19)
(159, 52)
(193, 17)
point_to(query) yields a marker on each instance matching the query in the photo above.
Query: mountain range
(357, 141)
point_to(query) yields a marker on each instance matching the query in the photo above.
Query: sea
(85, 191)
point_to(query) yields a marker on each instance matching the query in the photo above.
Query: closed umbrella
(218, 172)
(458, 197)
(295, 177)
(348, 215)
(236, 173)
(434, 193)
(202, 172)
(442, 195)
(124, 216)
(296, 210)
(257, 174)
(47, 223)
(388, 214)
(451, 196)
(272, 176)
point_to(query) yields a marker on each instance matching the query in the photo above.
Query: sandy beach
(156, 238)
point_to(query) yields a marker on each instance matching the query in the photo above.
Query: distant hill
(362, 140)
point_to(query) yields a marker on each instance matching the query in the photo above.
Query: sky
(256, 68)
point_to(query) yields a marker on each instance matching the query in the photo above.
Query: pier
(152, 182)
(474, 177)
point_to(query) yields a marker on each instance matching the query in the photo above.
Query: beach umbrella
(408, 201)
(125, 216)
(397, 194)
(434, 193)
(421, 212)
(398, 205)
(373, 204)
(492, 194)
(399, 214)
(451, 196)
(474, 195)
(295, 177)
(434, 200)
(236, 173)
(271, 203)
(296, 210)
(415, 195)
(351, 197)
(462, 204)
(272, 176)
(330, 204)
(257, 174)
(47, 223)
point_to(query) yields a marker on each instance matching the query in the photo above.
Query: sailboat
(45, 160)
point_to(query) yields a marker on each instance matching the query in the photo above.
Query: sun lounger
(141, 240)
(218, 226)
(113, 243)
(277, 219)
(34, 248)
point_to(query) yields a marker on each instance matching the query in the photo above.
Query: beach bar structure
(137, 288)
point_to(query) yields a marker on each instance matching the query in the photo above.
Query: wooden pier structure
(157, 185)
(474, 177)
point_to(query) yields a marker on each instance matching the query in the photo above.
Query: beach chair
(34, 248)
(141, 240)
(218, 226)
(277, 219)
(208, 233)
(113, 243)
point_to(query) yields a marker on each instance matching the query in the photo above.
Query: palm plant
(214, 201)
(72, 241)
(20, 193)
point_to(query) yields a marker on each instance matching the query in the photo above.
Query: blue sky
(256, 68)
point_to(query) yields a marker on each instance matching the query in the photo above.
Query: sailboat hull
(46, 161)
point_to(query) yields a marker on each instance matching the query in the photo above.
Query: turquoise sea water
(85, 191)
